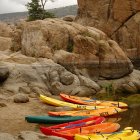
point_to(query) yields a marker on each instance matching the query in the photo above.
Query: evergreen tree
(34, 10)
(37, 11)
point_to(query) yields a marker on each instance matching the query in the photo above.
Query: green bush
(48, 15)
(109, 89)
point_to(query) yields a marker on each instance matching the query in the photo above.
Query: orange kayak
(71, 125)
(92, 102)
(99, 128)
(97, 112)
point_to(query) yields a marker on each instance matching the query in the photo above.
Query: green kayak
(52, 119)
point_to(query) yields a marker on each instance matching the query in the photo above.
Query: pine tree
(34, 10)
(37, 11)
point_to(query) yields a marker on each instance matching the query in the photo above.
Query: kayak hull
(122, 135)
(89, 101)
(52, 119)
(71, 125)
(99, 128)
(98, 112)
(56, 102)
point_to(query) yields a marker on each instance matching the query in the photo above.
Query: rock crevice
(112, 16)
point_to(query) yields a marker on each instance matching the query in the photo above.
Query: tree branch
(43, 3)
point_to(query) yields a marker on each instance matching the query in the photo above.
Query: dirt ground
(12, 117)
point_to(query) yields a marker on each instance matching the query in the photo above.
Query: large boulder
(129, 84)
(82, 50)
(119, 19)
(32, 77)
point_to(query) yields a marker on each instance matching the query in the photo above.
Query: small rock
(69, 18)
(6, 136)
(4, 73)
(21, 98)
(25, 90)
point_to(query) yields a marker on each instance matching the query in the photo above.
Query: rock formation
(119, 19)
(28, 135)
(52, 56)
(5, 36)
(30, 75)
(129, 84)
(82, 50)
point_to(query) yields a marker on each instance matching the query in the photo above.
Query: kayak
(56, 102)
(51, 119)
(122, 135)
(98, 128)
(98, 112)
(76, 124)
(92, 102)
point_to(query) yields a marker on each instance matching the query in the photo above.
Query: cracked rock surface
(84, 51)
(119, 19)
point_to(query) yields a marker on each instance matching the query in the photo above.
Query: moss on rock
(132, 99)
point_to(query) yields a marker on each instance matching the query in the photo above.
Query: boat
(98, 128)
(56, 102)
(121, 135)
(66, 126)
(92, 102)
(52, 119)
(98, 112)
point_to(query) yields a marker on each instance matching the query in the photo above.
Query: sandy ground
(12, 117)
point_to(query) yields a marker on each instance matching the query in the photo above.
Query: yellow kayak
(56, 102)
(96, 112)
(122, 135)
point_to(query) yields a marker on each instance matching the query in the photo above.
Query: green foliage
(109, 89)
(48, 15)
(36, 11)
(132, 99)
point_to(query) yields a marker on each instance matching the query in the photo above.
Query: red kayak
(98, 128)
(76, 124)
(91, 102)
